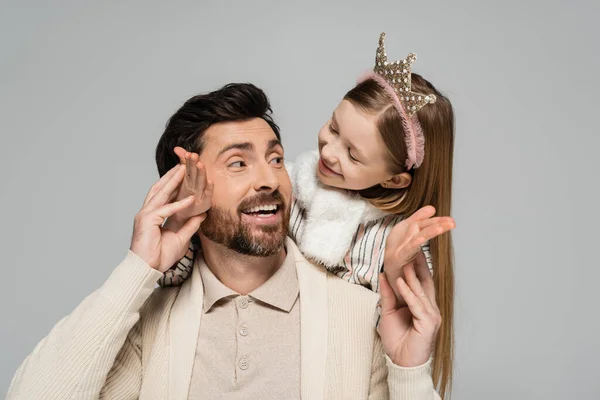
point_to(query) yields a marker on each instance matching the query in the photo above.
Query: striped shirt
(364, 259)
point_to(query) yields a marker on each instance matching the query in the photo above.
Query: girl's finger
(397, 236)
(434, 231)
(161, 182)
(433, 221)
(422, 213)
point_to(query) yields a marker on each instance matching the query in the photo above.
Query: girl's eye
(351, 156)
(237, 164)
(332, 130)
(277, 160)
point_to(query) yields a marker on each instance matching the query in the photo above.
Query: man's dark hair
(231, 103)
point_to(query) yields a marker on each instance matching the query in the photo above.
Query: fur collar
(332, 216)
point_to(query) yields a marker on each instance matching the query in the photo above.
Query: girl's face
(352, 153)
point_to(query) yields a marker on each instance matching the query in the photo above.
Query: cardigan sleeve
(124, 380)
(76, 358)
(392, 382)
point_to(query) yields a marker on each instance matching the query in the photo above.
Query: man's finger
(412, 300)
(160, 183)
(173, 196)
(208, 192)
(388, 297)
(169, 209)
(188, 169)
(191, 226)
(180, 152)
(164, 193)
(424, 276)
(416, 287)
(194, 173)
(200, 177)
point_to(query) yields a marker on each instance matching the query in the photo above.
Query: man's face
(252, 190)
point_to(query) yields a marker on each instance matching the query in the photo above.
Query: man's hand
(406, 238)
(408, 332)
(196, 184)
(158, 246)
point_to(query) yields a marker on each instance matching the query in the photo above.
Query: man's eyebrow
(246, 146)
(274, 143)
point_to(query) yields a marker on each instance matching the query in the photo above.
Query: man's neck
(239, 272)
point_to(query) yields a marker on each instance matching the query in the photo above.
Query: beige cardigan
(127, 341)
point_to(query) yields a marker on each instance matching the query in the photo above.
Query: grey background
(85, 91)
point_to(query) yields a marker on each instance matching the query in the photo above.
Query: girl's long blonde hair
(431, 185)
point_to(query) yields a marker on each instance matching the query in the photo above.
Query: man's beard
(220, 227)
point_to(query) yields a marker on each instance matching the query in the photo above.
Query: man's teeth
(262, 208)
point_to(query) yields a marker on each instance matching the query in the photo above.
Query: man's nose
(266, 179)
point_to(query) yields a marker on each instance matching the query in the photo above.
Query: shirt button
(243, 303)
(244, 363)
(244, 330)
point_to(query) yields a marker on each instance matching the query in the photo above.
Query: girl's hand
(404, 242)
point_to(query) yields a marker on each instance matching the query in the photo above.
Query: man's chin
(259, 246)
(265, 232)
(268, 238)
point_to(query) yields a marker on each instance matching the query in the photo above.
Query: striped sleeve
(297, 218)
(364, 260)
(428, 257)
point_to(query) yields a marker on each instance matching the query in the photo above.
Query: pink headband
(413, 134)
(395, 78)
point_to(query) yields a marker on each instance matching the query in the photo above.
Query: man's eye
(277, 160)
(237, 164)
